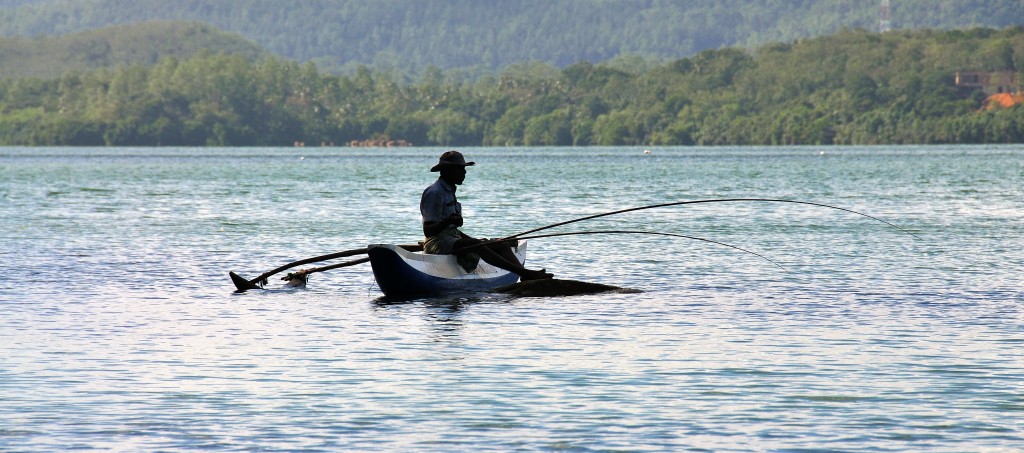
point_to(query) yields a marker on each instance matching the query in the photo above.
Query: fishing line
(718, 200)
(655, 233)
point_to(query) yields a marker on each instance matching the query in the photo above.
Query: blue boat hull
(400, 273)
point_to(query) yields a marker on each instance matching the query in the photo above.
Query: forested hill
(410, 35)
(853, 87)
(142, 43)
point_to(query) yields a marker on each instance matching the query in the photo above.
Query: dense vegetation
(143, 43)
(854, 87)
(407, 36)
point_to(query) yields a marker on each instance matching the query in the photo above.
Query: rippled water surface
(119, 329)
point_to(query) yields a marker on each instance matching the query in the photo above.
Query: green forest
(854, 87)
(409, 36)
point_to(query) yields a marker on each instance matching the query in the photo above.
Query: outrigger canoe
(401, 273)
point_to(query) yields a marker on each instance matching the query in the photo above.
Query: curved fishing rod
(302, 276)
(717, 200)
(655, 233)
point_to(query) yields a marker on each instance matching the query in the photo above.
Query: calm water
(119, 329)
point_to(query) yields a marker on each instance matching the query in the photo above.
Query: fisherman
(442, 217)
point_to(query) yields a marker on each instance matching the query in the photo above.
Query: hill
(411, 35)
(141, 43)
(853, 87)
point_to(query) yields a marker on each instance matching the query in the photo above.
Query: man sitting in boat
(442, 217)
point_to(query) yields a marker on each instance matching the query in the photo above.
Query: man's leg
(500, 255)
(504, 250)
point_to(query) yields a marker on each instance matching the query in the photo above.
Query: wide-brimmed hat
(451, 159)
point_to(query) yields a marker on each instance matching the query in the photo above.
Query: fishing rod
(654, 233)
(717, 200)
(242, 284)
(300, 277)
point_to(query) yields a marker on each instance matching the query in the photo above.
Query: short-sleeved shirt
(438, 202)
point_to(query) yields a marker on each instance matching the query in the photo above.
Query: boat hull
(401, 273)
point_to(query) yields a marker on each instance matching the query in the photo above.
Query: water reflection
(444, 317)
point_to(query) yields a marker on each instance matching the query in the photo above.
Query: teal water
(119, 329)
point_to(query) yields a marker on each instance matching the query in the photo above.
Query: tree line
(855, 87)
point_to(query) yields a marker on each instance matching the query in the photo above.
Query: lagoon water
(119, 329)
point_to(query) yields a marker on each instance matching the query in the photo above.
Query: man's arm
(433, 228)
